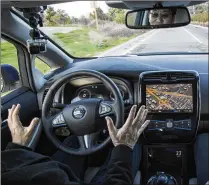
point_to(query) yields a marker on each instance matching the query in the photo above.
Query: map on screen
(169, 98)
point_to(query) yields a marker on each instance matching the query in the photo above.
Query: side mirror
(9, 78)
(151, 18)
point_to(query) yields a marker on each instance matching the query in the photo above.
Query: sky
(79, 8)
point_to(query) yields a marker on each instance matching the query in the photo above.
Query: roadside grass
(79, 44)
(9, 54)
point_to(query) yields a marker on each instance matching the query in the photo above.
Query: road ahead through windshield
(190, 38)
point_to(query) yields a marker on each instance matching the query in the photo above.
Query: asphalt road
(190, 38)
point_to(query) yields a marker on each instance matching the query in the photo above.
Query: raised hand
(131, 130)
(20, 135)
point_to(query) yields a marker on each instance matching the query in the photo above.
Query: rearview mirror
(151, 18)
(9, 78)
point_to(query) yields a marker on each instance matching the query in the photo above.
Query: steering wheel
(84, 118)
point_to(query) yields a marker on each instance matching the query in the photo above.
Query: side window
(41, 66)
(10, 78)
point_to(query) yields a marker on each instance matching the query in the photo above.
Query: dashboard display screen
(169, 98)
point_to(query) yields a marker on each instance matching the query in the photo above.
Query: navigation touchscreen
(169, 98)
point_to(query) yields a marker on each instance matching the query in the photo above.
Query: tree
(49, 17)
(83, 20)
(111, 14)
(74, 20)
(200, 13)
(201, 8)
(118, 15)
(54, 18)
(63, 17)
(100, 14)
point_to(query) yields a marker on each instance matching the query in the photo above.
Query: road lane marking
(193, 36)
(136, 45)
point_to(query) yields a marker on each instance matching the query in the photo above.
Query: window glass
(41, 66)
(94, 29)
(9, 54)
(10, 78)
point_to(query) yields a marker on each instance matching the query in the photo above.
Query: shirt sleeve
(11, 146)
(120, 166)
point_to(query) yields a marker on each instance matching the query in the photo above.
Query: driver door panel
(29, 109)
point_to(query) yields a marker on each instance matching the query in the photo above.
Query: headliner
(115, 4)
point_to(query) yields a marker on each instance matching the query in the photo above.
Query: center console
(173, 101)
(170, 160)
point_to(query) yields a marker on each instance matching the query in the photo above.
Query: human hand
(20, 135)
(131, 130)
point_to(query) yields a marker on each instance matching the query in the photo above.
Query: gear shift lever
(162, 179)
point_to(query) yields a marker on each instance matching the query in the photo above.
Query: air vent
(180, 75)
(155, 76)
(44, 94)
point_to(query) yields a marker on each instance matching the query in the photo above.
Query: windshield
(87, 29)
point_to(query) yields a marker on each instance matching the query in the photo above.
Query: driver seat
(92, 171)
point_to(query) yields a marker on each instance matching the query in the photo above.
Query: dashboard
(125, 72)
(88, 87)
(98, 91)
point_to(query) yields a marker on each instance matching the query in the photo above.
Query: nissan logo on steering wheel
(79, 112)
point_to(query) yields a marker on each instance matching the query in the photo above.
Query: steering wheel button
(108, 109)
(54, 122)
(59, 119)
(62, 118)
(104, 108)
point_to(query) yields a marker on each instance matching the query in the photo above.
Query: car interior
(175, 143)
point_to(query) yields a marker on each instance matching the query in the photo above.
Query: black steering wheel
(84, 118)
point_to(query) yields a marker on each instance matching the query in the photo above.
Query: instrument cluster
(100, 91)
